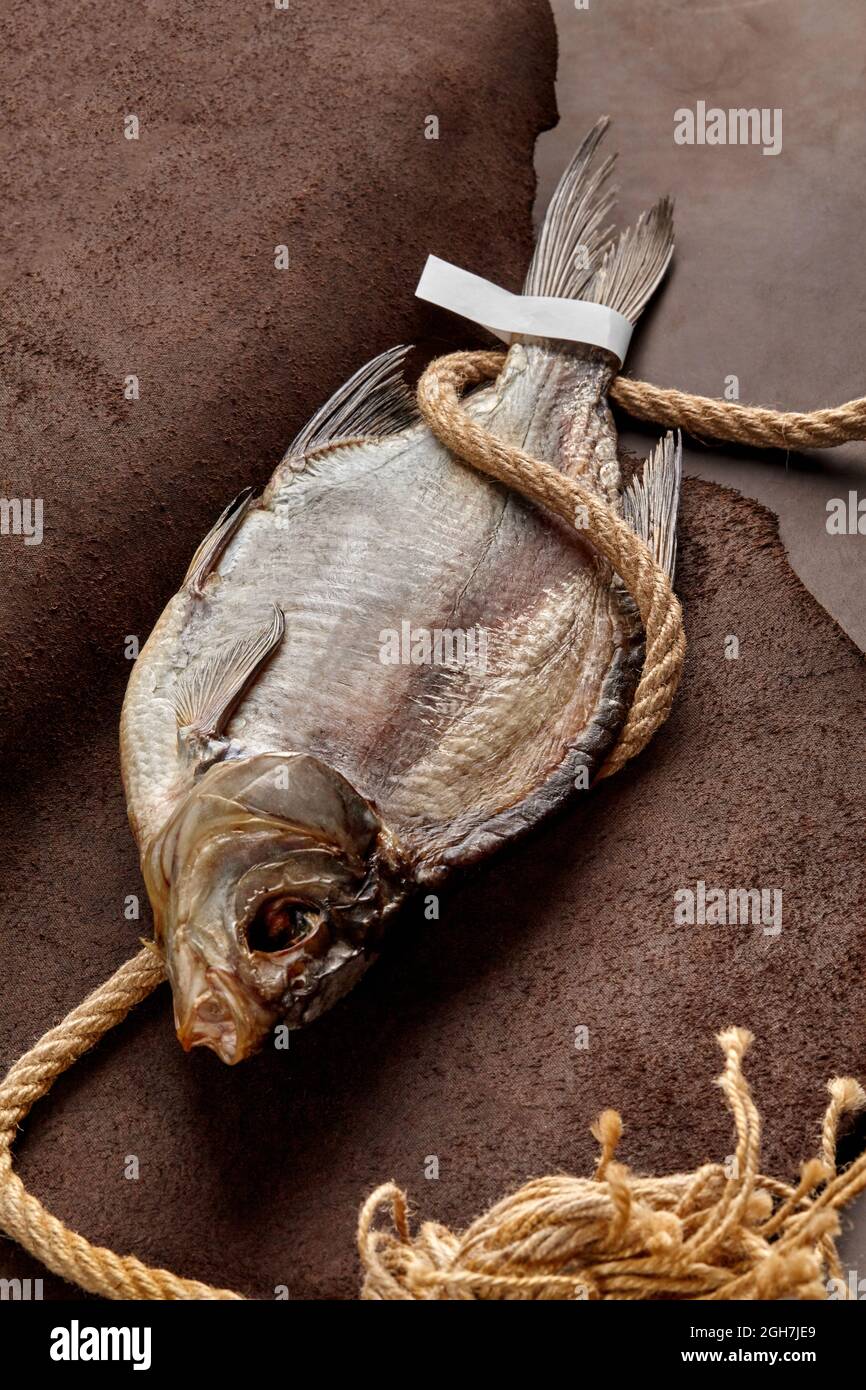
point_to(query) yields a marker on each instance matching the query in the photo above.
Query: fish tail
(576, 256)
(634, 265)
(575, 233)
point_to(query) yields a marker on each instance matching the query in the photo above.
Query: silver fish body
(385, 667)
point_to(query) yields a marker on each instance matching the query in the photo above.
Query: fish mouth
(233, 979)
(216, 1009)
(217, 1017)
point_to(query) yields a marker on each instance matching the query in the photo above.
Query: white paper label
(538, 316)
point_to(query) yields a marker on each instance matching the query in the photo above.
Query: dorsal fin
(374, 402)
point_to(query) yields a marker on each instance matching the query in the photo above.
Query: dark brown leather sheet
(155, 258)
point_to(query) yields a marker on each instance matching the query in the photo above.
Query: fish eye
(281, 923)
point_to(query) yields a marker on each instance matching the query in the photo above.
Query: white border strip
(538, 316)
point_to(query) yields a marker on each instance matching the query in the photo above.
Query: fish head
(271, 885)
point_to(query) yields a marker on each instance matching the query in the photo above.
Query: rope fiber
(706, 418)
(723, 1232)
(439, 402)
(709, 1234)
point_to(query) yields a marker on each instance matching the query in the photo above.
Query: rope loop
(439, 402)
(22, 1216)
(724, 1232)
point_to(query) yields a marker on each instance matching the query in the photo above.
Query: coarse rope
(706, 418)
(578, 505)
(22, 1216)
(723, 1232)
(718, 1233)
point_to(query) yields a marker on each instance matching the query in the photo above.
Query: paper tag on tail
(537, 316)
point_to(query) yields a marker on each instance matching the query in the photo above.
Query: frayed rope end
(725, 1231)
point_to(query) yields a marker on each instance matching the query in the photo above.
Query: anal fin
(206, 694)
(651, 501)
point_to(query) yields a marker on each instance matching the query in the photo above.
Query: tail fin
(573, 240)
(575, 256)
(632, 269)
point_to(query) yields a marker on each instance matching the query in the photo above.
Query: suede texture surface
(155, 258)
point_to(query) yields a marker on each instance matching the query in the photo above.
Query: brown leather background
(156, 257)
(768, 280)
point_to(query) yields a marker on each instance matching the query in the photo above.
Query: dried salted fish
(387, 665)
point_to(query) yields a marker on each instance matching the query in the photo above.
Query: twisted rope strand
(439, 402)
(705, 417)
(22, 1216)
(565, 1237)
(696, 1235)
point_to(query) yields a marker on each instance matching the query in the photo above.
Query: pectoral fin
(206, 694)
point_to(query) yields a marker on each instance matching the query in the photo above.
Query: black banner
(254, 1338)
